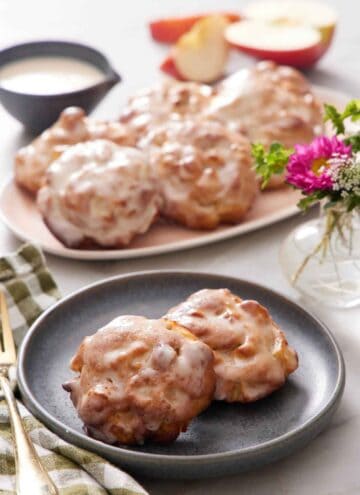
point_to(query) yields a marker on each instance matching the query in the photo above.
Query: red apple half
(296, 12)
(297, 45)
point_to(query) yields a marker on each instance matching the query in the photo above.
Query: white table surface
(330, 465)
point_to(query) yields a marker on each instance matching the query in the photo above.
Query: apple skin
(171, 29)
(168, 67)
(302, 58)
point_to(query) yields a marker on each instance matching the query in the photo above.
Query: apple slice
(298, 45)
(201, 54)
(296, 12)
(169, 30)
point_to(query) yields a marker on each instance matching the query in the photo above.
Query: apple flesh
(169, 30)
(297, 45)
(296, 13)
(201, 54)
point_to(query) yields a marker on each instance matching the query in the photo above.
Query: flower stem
(332, 223)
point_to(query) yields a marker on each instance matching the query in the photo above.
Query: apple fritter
(252, 356)
(140, 379)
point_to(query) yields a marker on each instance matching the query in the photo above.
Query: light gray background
(331, 464)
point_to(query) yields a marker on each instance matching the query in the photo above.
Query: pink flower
(309, 167)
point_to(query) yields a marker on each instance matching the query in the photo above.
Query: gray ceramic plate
(225, 438)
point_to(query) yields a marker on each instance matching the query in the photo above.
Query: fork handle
(30, 474)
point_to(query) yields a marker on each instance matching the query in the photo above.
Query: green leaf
(311, 199)
(334, 116)
(268, 163)
(354, 140)
(352, 111)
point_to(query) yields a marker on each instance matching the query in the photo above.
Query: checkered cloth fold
(30, 289)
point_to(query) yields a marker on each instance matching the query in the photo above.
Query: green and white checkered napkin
(30, 289)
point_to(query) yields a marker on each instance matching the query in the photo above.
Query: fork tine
(8, 339)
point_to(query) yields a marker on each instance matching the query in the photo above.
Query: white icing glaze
(204, 171)
(268, 103)
(162, 356)
(98, 191)
(140, 378)
(169, 100)
(126, 350)
(72, 127)
(252, 357)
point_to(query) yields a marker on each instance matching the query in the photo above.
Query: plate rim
(94, 445)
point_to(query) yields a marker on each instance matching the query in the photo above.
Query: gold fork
(31, 476)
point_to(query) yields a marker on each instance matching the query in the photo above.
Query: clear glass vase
(326, 269)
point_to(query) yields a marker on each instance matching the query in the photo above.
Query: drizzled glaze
(72, 127)
(139, 380)
(205, 174)
(161, 103)
(100, 193)
(268, 103)
(252, 356)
